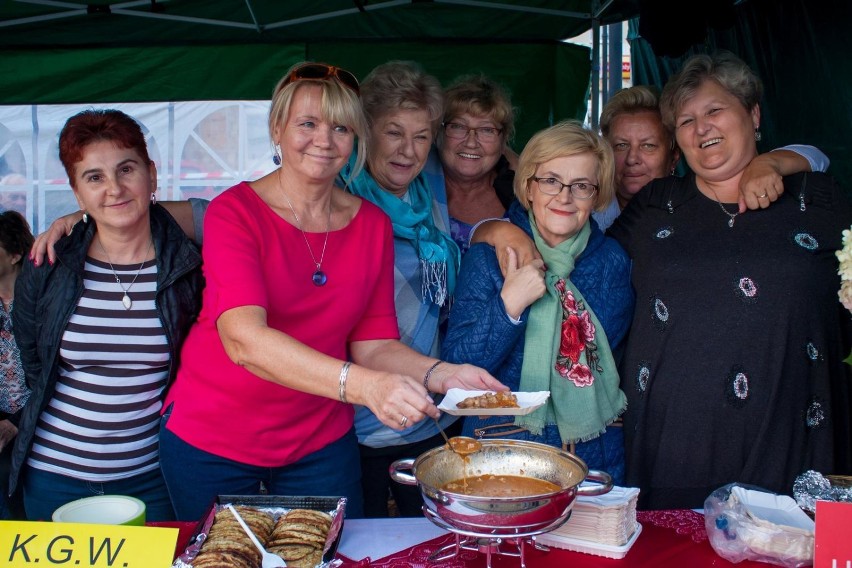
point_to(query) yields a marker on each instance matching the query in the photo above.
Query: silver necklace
(731, 216)
(125, 300)
(319, 278)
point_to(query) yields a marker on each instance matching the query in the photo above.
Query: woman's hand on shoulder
(503, 235)
(762, 183)
(523, 284)
(44, 242)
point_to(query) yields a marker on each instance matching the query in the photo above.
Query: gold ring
(404, 421)
(762, 196)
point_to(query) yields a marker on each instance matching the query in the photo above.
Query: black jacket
(46, 296)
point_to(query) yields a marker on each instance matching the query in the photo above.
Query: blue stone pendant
(319, 278)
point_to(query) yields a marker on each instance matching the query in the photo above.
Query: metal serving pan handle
(397, 471)
(601, 477)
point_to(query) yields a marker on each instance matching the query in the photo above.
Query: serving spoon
(268, 559)
(461, 445)
(464, 445)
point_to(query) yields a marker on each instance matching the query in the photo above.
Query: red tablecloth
(668, 539)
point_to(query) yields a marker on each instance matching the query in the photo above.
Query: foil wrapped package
(812, 486)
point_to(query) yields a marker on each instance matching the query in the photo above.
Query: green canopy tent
(155, 50)
(60, 51)
(105, 52)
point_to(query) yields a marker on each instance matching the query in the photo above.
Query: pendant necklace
(125, 300)
(731, 216)
(319, 277)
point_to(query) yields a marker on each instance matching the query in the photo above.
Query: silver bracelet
(341, 389)
(429, 375)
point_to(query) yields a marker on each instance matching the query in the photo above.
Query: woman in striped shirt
(100, 329)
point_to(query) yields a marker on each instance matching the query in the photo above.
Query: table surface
(668, 539)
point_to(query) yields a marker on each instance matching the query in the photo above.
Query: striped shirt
(102, 423)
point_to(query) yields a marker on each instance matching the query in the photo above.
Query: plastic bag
(745, 522)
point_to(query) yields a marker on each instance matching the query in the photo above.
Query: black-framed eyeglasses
(322, 71)
(578, 190)
(459, 131)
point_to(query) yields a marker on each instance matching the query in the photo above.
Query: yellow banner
(38, 545)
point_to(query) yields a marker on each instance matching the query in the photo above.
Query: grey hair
(723, 67)
(401, 85)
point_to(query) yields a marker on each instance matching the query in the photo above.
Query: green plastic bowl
(102, 510)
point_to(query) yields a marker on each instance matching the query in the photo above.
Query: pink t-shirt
(252, 257)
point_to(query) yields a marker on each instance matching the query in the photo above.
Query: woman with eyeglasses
(298, 322)
(473, 145)
(552, 325)
(645, 150)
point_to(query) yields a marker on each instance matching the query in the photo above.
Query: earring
(85, 217)
(757, 136)
(154, 198)
(276, 155)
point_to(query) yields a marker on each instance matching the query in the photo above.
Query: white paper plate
(527, 402)
(777, 509)
(589, 546)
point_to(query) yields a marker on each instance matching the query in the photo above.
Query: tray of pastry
(304, 531)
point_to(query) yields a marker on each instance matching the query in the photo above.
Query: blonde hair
(339, 104)
(638, 98)
(567, 138)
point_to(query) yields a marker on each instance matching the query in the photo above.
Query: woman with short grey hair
(404, 109)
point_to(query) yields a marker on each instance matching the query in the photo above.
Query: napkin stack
(604, 525)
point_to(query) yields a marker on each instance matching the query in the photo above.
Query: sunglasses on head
(321, 71)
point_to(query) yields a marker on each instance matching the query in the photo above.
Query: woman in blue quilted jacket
(553, 324)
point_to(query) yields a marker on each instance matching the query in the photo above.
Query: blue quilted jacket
(482, 334)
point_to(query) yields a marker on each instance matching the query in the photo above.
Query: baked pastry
(298, 536)
(228, 546)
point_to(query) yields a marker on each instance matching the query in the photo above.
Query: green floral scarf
(566, 352)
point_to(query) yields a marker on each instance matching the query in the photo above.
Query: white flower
(846, 295)
(844, 269)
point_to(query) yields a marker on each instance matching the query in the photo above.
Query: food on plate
(298, 536)
(227, 544)
(491, 485)
(502, 399)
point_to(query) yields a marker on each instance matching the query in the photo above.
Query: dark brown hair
(15, 235)
(92, 126)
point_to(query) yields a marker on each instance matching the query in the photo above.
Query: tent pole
(596, 70)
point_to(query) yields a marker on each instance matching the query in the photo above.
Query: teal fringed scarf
(566, 352)
(412, 221)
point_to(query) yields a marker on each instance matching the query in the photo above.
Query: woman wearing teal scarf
(404, 107)
(552, 325)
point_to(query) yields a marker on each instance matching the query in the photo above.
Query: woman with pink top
(298, 321)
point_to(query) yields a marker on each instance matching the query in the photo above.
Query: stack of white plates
(604, 525)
